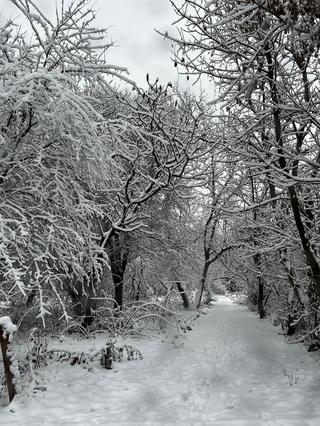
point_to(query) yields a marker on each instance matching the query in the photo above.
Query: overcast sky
(131, 25)
(140, 48)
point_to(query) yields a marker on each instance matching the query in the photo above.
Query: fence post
(7, 328)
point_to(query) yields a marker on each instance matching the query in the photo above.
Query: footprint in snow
(185, 396)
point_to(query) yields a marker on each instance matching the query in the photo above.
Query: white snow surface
(233, 369)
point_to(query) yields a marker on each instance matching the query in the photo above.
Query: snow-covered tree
(155, 138)
(263, 58)
(53, 152)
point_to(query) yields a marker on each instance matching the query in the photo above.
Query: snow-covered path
(233, 369)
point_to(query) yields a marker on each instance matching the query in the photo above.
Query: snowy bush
(140, 318)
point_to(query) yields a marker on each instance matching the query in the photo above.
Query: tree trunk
(260, 301)
(261, 310)
(4, 341)
(138, 292)
(82, 296)
(311, 257)
(118, 288)
(183, 295)
(118, 255)
(202, 284)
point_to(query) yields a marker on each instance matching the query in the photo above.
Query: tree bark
(138, 292)
(260, 301)
(118, 255)
(82, 296)
(4, 341)
(311, 258)
(118, 288)
(183, 295)
(261, 310)
(202, 284)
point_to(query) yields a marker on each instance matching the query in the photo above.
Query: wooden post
(106, 359)
(6, 331)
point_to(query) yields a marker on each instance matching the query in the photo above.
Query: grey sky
(131, 25)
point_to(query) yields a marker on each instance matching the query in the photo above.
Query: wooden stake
(4, 341)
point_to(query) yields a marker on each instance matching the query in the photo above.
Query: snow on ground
(233, 369)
